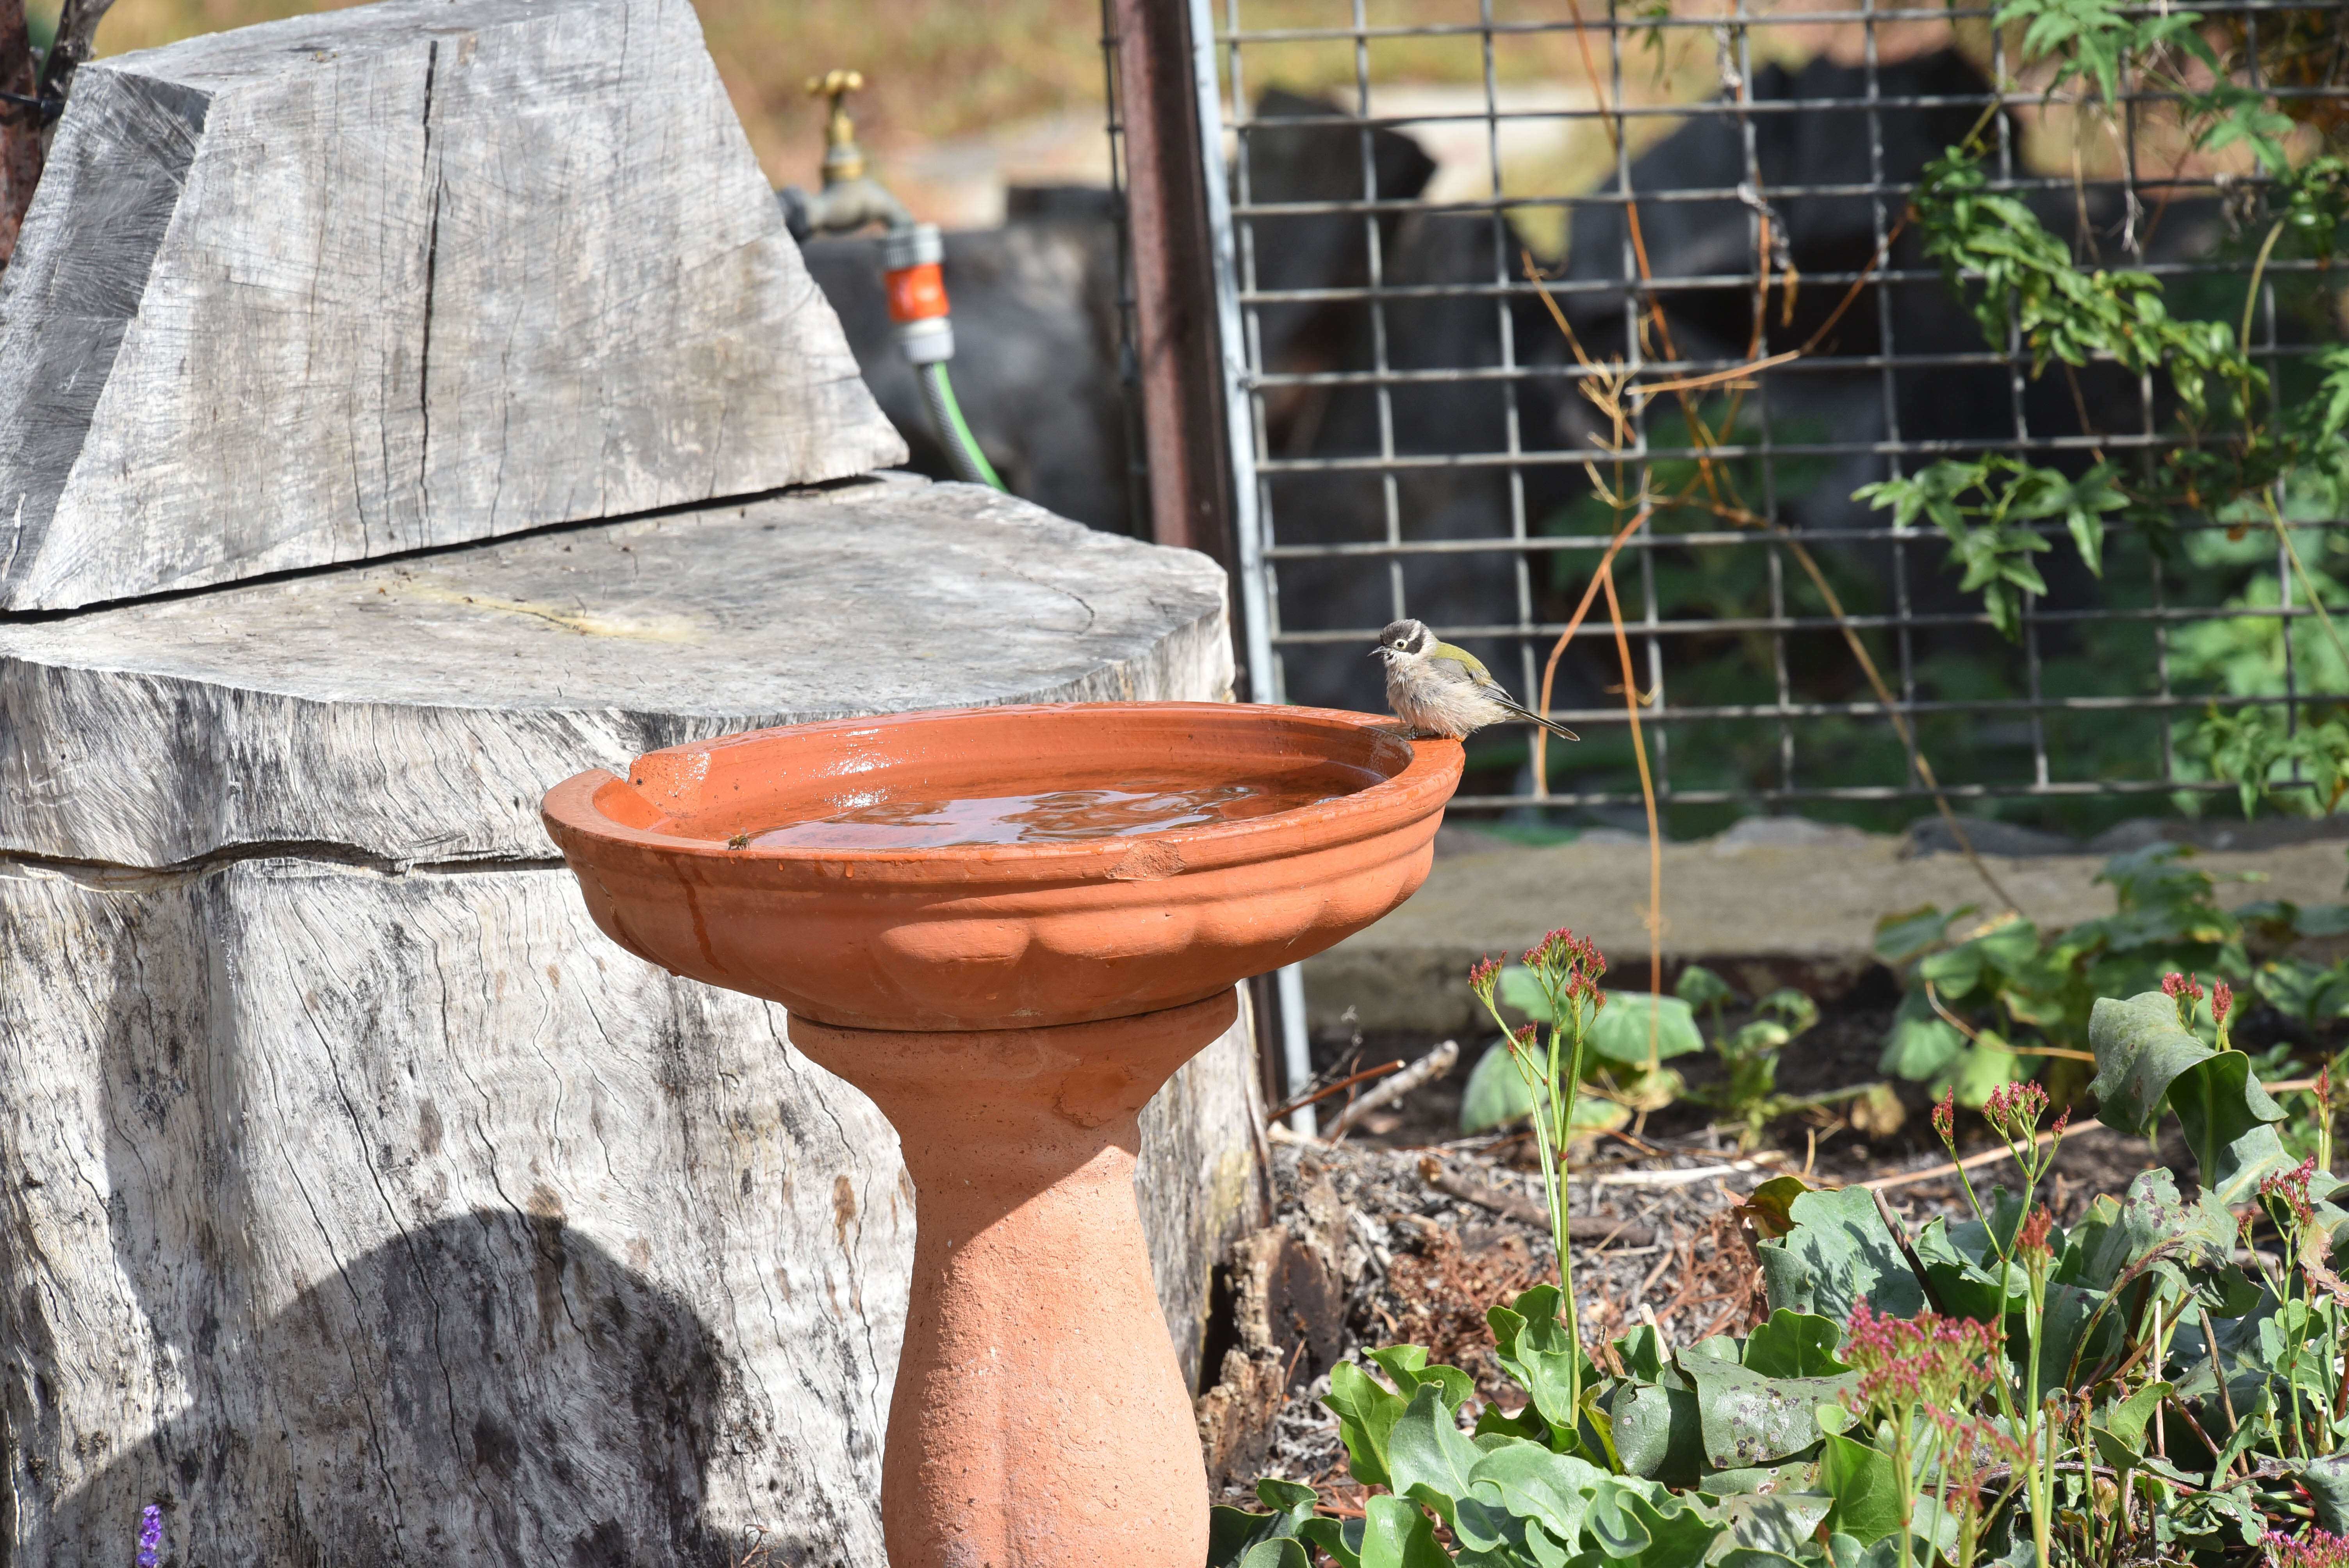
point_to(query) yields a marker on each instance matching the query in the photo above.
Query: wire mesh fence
(1503, 284)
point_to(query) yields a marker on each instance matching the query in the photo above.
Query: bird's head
(1402, 642)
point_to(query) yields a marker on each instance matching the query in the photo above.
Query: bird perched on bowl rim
(1438, 689)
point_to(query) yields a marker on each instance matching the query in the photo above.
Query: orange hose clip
(918, 292)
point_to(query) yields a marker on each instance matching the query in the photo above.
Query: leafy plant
(1747, 1094)
(1617, 1073)
(2001, 1388)
(1988, 1006)
(1994, 536)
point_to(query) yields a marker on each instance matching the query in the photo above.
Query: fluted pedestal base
(1040, 1420)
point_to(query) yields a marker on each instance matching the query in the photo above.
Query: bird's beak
(1378, 653)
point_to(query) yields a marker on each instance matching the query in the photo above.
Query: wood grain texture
(405, 274)
(360, 1202)
(415, 711)
(402, 1219)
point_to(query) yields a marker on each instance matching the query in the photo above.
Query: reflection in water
(1061, 816)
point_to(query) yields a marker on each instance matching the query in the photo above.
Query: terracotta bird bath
(1009, 926)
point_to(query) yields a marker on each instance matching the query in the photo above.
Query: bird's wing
(1468, 661)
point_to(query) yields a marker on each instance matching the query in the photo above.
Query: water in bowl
(1054, 817)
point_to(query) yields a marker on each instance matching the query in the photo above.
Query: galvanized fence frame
(1225, 45)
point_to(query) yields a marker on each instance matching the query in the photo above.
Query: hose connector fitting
(913, 273)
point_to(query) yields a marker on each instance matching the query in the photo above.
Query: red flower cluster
(1570, 967)
(2032, 1239)
(2184, 990)
(1483, 975)
(2222, 998)
(2290, 1188)
(1945, 1121)
(1939, 1364)
(2013, 1110)
(2317, 1548)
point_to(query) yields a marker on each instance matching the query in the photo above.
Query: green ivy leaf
(1282, 1553)
(1620, 1033)
(1531, 1343)
(1428, 1456)
(1531, 1483)
(1659, 1435)
(1795, 1344)
(2327, 1480)
(1396, 1535)
(1922, 1045)
(1749, 1416)
(1866, 1489)
(1366, 1411)
(2144, 1056)
(1837, 1253)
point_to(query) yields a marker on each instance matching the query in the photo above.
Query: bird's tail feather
(1551, 725)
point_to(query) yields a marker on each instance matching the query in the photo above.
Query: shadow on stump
(489, 1389)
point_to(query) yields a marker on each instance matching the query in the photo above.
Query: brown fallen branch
(1587, 1229)
(1321, 1093)
(1434, 1065)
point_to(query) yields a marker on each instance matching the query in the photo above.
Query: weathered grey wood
(415, 711)
(358, 1201)
(401, 275)
(374, 1219)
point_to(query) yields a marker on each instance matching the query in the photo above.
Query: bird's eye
(1402, 642)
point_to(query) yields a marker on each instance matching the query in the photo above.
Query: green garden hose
(970, 464)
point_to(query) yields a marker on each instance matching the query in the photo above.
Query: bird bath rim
(1405, 782)
(994, 936)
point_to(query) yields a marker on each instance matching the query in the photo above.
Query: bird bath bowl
(1009, 926)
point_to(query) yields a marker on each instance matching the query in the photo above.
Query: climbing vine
(2241, 454)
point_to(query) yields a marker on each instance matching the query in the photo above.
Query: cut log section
(402, 275)
(358, 1201)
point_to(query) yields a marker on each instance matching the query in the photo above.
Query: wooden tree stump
(402, 275)
(359, 1202)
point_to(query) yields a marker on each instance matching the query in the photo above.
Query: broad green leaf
(1795, 1344)
(1921, 1044)
(1283, 1552)
(1620, 1033)
(1749, 1418)
(1531, 1344)
(2144, 1057)
(1778, 1523)
(1366, 1411)
(1980, 1070)
(1643, 1353)
(1342, 1539)
(1498, 1094)
(1231, 1532)
(1901, 937)
(1701, 987)
(1408, 1365)
(1396, 1535)
(2327, 1480)
(1866, 1489)
(1837, 1253)
(1611, 1522)
(1531, 1483)
(1428, 1456)
(2120, 1433)
(1659, 1435)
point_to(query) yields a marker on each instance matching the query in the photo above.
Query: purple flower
(150, 1535)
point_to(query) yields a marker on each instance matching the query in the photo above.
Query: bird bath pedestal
(1010, 1007)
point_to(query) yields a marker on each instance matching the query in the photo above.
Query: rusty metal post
(1176, 346)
